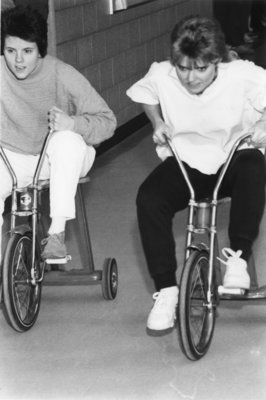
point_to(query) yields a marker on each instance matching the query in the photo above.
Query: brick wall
(114, 51)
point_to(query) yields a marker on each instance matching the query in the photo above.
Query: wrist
(157, 123)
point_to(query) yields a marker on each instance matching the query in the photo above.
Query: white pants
(67, 159)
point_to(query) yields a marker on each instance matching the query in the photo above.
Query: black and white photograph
(132, 200)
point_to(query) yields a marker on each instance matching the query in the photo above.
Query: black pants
(165, 192)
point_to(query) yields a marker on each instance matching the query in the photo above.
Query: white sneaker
(163, 314)
(236, 275)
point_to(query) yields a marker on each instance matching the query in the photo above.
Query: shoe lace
(58, 235)
(156, 295)
(44, 241)
(160, 299)
(230, 254)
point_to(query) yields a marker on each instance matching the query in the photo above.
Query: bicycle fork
(24, 202)
(202, 219)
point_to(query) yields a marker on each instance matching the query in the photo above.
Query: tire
(196, 320)
(109, 279)
(21, 299)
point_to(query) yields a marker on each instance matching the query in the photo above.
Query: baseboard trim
(122, 132)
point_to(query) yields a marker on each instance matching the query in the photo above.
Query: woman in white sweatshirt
(204, 103)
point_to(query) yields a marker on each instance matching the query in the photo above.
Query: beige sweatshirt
(25, 105)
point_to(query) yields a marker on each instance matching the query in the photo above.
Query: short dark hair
(25, 23)
(198, 38)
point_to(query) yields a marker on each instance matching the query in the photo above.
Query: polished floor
(84, 347)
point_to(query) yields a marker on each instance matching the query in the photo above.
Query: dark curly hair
(198, 38)
(25, 23)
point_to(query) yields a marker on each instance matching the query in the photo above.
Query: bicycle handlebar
(39, 165)
(181, 165)
(41, 158)
(9, 167)
(235, 146)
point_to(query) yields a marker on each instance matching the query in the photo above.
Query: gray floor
(84, 347)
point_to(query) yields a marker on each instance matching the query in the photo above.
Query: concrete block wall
(114, 51)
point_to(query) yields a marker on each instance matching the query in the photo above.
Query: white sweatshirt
(205, 126)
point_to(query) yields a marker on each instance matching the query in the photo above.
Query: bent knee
(147, 199)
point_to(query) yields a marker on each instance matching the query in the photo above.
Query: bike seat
(208, 200)
(45, 183)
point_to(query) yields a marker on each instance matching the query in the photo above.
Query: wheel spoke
(197, 296)
(22, 300)
(196, 320)
(21, 261)
(21, 297)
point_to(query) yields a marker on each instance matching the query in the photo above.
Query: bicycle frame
(33, 211)
(208, 221)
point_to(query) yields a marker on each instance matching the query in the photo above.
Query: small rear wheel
(196, 317)
(109, 279)
(21, 294)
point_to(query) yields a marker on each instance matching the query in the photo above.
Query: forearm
(154, 114)
(95, 128)
(93, 118)
(160, 128)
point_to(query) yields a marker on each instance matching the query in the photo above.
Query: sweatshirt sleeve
(255, 78)
(93, 119)
(145, 90)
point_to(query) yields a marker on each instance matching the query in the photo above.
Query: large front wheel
(196, 316)
(21, 289)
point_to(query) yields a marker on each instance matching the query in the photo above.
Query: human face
(22, 57)
(195, 75)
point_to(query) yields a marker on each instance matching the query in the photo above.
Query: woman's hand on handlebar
(58, 120)
(159, 131)
(258, 138)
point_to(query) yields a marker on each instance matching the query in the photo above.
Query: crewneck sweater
(25, 105)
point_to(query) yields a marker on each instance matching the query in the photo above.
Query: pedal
(63, 260)
(222, 290)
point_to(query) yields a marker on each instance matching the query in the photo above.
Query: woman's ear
(217, 60)
(233, 55)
